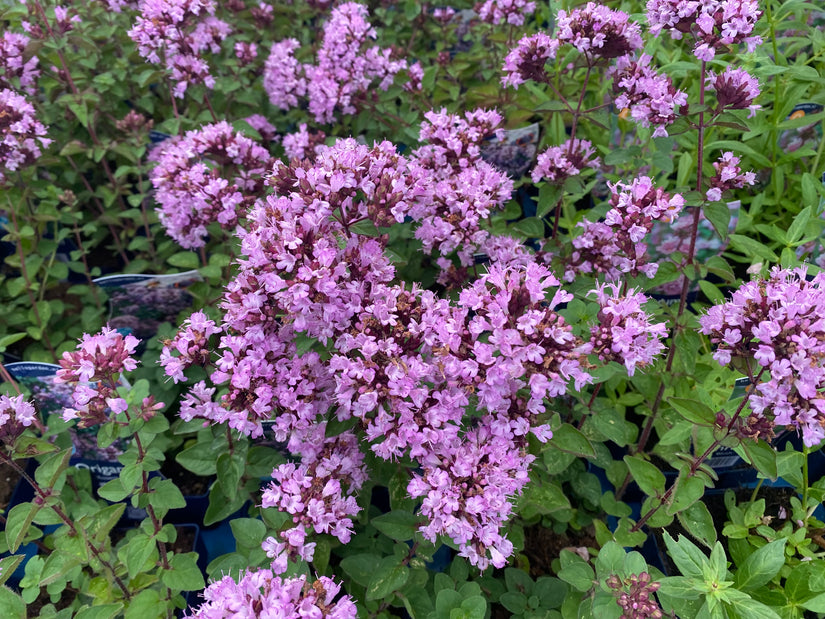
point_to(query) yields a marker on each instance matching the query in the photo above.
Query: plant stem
(701, 459)
(87, 272)
(685, 279)
(806, 451)
(75, 531)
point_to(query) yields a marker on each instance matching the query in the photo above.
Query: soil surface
(542, 546)
(187, 482)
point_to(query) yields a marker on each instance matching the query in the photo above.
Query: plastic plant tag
(51, 398)
(139, 304)
(515, 153)
(808, 135)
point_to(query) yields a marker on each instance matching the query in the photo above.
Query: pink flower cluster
(303, 143)
(298, 278)
(635, 596)
(210, 175)
(503, 339)
(558, 163)
(176, 33)
(191, 344)
(16, 414)
(649, 96)
(117, 6)
(461, 188)
(319, 493)
(597, 32)
(13, 63)
(624, 332)
(777, 325)
(617, 245)
(728, 176)
(63, 21)
(21, 134)
(714, 24)
(735, 89)
(406, 364)
(264, 595)
(526, 60)
(346, 67)
(268, 131)
(94, 368)
(505, 11)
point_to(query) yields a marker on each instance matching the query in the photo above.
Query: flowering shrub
(415, 380)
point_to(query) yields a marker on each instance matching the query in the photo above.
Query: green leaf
(137, 552)
(518, 580)
(752, 247)
(101, 523)
(516, 603)
(113, 491)
(248, 532)
(229, 474)
(568, 439)
(360, 567)
(650, 479)
(52, 467)
(699, 523)
(545, 498)
(718, 563)
(689, 489)
(762, 456)
(398, 524)
(530, 227)
(17, 524)
(681, 587)
(694, 411)
(221, 506)
(762, 566)
(816, 604)
(184, 575)
(718, 213)
(388, 576)
(473, 607)
(80, 111)
(687, 557)
(578, 575)
(101, 611)
(8, 565)
(165, 494)
(800, 222)
(144, 605)
(184, 260)
(199, 459)
(12, 604)
(748, 608)
(445, 601)
(712, 292)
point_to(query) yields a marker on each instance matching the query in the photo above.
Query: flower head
(16, 414)
(714, 24)
(598, 31)
(21, 134)
(649, 96)
(735, 89)
(262, 594)
(776, 327)
(526, 61)
(558, 163)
